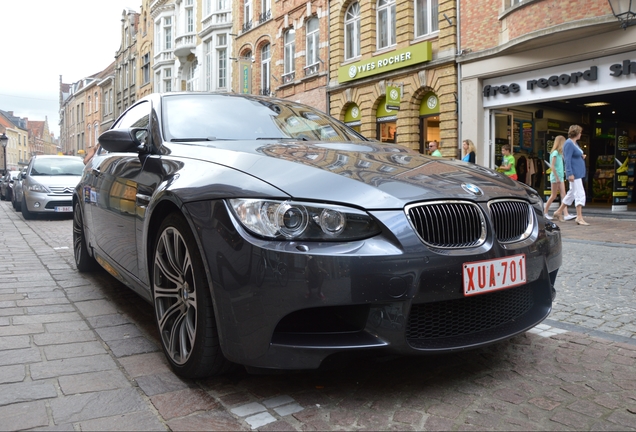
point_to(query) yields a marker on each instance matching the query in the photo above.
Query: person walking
(574, 159)
(433, 149)
(557, 177)
(468, 151)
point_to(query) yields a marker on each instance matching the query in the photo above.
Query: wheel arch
(160, 211)
(89, 245)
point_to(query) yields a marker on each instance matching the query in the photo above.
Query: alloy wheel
(175, 295)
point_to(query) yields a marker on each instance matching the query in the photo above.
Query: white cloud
(44, 39)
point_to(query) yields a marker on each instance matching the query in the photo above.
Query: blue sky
(43, 39)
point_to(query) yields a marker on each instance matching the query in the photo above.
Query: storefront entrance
(608, 139)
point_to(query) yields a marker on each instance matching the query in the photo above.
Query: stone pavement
(80, 352)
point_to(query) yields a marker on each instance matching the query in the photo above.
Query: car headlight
(37, 187)
(303, 221)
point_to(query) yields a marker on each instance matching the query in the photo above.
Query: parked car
(16, 196)
(48, 184)
(268, 234)
(6, 184)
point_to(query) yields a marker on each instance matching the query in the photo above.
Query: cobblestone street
(80, 352)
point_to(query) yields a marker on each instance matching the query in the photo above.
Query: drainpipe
(328, 63)
(459, 78)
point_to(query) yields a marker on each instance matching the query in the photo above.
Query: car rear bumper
(277, 309)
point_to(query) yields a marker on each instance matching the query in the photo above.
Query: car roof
(56, 156)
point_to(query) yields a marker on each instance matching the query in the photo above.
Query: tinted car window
(57, 166)
(220, 117)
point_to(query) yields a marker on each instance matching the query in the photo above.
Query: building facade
(282, 49)
(393, 73)
(17, 151)
(191, 45)
(532, 68)
(126, 58)
(40, 140)
(73, 124)
(145, 35)
(106, 91)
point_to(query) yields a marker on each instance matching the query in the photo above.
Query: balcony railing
(185, 44)
(164, 56)
(289, 77)
(265, 91)
(265, 16)
(246, 26)
(312, 69)
(217, 19)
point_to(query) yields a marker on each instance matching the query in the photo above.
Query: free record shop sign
(397, 59)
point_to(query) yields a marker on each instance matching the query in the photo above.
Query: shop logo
(431, 102)
(355, 112)
(353, 71)
(394, 94)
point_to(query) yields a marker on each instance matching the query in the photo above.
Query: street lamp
(5, 140)
(625, 11)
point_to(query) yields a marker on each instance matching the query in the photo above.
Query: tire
(25, 210)
(83, 261)
(183, 304)
(17, 205)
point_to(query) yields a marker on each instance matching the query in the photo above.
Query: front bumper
(290, 305)
(39, 202)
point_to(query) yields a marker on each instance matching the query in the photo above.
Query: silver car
(48, 184)
(6, 184)
(16, 195)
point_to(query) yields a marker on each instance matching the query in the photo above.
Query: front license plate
(64, 209)
(491, 275)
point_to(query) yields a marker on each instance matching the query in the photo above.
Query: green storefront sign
(397, 59)
(393, 97)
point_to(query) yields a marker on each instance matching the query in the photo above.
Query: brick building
(40, 139)
(281, 49)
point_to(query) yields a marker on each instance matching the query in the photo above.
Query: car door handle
(143, 200)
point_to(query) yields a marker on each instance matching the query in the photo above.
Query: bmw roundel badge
(471, 188)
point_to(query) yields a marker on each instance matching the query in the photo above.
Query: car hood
(371, 175)
(69, 181)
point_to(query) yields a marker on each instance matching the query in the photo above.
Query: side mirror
(123, 140)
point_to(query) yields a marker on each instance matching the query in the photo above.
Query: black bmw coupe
(267, 234)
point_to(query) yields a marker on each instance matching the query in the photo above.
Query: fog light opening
(36, 205)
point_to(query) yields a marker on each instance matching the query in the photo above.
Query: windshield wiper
(283, 138)
(200, 139)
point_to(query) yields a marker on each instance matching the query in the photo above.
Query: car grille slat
(468, 315)
(458, 224)
(448, 224)
(511, 220)
(61, 190)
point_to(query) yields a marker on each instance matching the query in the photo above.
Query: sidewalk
(605, 210)
(80, 352)
(605, 226)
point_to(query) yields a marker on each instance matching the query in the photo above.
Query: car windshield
(225, 117)
(57, 166)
